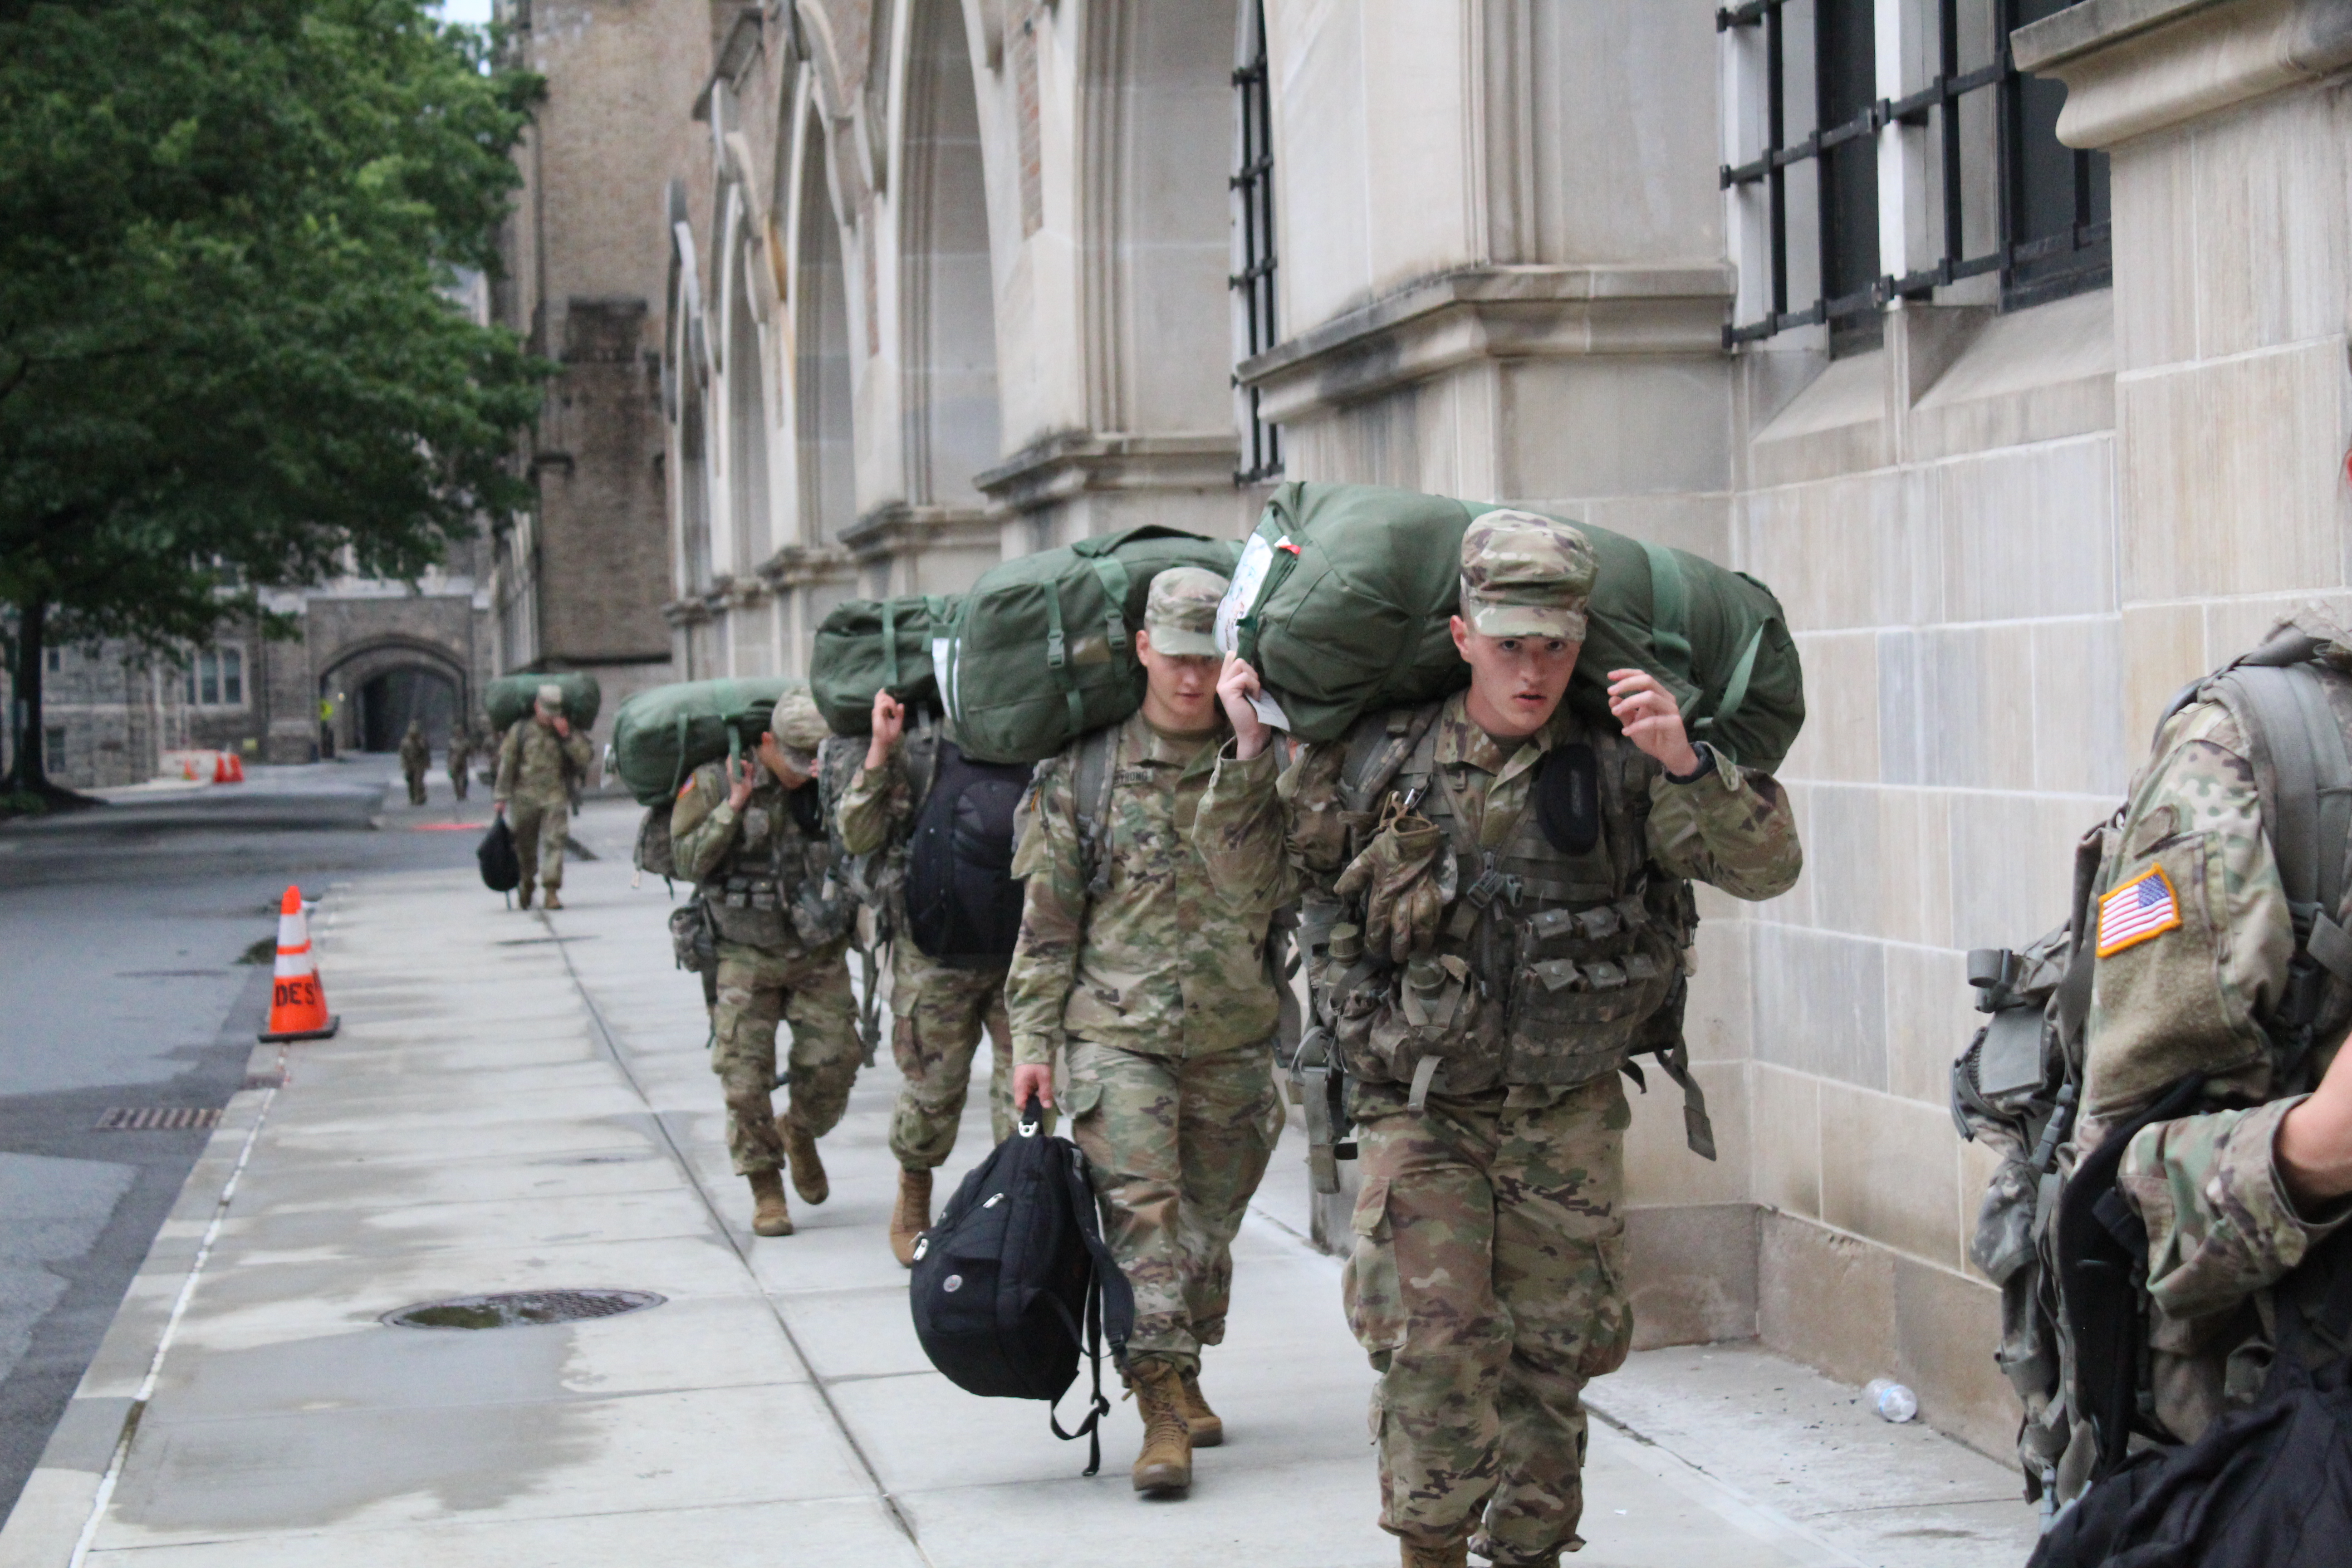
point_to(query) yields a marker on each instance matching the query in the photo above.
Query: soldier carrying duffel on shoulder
(750, 833)
(1157, 994)
(538, 763)
(1511, 925)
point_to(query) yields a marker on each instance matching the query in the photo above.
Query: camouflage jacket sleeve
(510, 763)
(579, 755)
(701, 825)
(1241, 831)
(873, 807)
(1731, 826)
(1052, 914)
(2220, 1225)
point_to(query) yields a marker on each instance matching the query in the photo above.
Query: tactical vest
(1562, 949)
(775, 886)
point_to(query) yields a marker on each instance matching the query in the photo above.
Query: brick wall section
(604, 565)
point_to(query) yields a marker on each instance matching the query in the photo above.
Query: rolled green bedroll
(508, 699)
(1343, 597)
(1043, 648)
(661, 735)
(867, 645)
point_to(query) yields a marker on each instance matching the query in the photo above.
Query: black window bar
(2053, 236)
(1253, 187)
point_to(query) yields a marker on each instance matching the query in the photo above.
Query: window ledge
(2136, 67)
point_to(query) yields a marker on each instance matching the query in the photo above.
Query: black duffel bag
(1014, 1281)
(501, 866)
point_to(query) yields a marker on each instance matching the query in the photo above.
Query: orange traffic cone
(230, 769)
(297, 1003)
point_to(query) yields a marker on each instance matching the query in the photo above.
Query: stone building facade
(2005, 339)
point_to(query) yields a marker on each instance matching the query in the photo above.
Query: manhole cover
(517, 1309)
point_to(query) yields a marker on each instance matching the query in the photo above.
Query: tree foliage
(228, 357)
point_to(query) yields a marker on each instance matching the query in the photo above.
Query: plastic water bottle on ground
(1891, 1399)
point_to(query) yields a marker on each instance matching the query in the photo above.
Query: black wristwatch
(1705, 765)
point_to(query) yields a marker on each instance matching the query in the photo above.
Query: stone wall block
(1845, 853)
(1614, 424)
(1785, 1169)
(1691, 1274)
(2150, 194)
(1825, 1299)
(1840, 740)
(2013, 864)
(1838, 424)
(2030, 531)
(1718, 1020)
(1659, 1165)
(2270, 218)
(1979, 687)
(2033, 376)
(2265, 510)
(1914, 876)
(1945, 1326)
(1889, 1172)
(1844, 552)
(2076, 711)
(1699, 523)
(2163, 648)
(1930, 1017)
(1821, 1004)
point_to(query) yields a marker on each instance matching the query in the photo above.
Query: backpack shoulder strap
(1376, 750)
(1090, 786)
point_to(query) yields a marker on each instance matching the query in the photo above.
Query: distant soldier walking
(461, 757)
(752, 835)
(1157, 994)
(415, 759)
(1504, 886)
(538, 762)
(938, 1006)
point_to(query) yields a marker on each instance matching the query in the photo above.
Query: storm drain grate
(522, 1309)
(157, 1117)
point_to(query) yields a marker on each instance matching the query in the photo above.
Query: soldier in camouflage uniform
(937, 1008)
(415, 758)
(752, 835)
(538, 763)
(1507, 922)
(1157, 994)
(2238, 1198)
(461, 757)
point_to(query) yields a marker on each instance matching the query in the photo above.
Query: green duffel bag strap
(1116, 584)
(1670, 637)
(890, 644)
(1057, 658)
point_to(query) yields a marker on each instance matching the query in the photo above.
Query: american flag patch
(2142, 907)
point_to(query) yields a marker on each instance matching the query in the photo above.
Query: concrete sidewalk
(522, 1102)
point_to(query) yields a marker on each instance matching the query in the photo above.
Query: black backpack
(963, 907)
(501, 866)
(1015, 1281)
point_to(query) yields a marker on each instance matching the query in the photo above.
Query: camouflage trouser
(937, 1013)
(541, 829)
(416, 785)
(1177, 1146)
(459, 777)
(757, 988)
(1487, 1287)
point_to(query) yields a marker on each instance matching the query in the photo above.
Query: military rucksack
(2053, 1232)
(963, 907)
(868, 646)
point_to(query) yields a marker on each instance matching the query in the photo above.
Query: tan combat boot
(1453, 1554)
(551, 901)
(769, 1215)
(808, 1170)
(1165, 1465)
(1207, 1428)
(912, 1216)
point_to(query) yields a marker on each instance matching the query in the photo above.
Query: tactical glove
(1402, 876)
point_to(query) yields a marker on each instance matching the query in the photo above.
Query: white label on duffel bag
(943, 672)
(1241, 596)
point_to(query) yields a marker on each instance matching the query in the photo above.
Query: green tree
(228, 356)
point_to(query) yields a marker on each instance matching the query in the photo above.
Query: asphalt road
(126, 929)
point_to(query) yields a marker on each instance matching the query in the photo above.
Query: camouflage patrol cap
(796, 724)
(550, 697)
(1526, 576)
(1181, 614)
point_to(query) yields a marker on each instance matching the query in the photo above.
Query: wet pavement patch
(522, 1309)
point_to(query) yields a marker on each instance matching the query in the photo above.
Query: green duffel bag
(661, 735)
(1343, 596)
(867, 645)
(508, 699)
(1043, 648)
